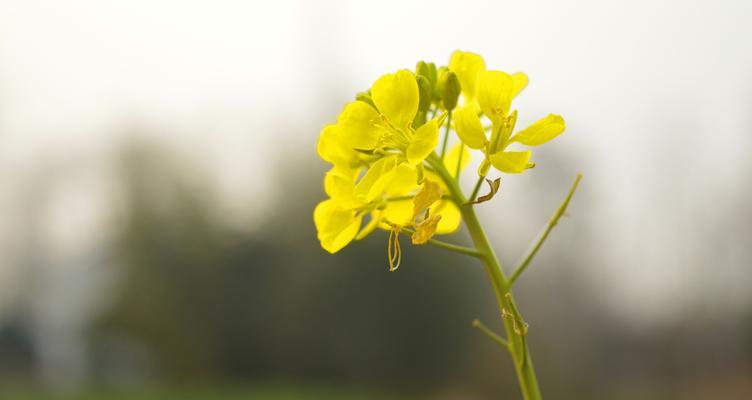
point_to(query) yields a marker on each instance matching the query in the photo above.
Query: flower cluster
(381, 144)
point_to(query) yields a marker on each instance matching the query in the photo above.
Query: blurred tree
(267, 303)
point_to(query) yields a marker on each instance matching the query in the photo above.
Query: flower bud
(428, 70)
(424, 89)
(450, 88)
(436, 90)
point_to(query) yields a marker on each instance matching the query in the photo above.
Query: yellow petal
(425, 229)
(469, 128)
(397, 212)
(336, 227)
(359, 126)
(512, 162)
(332, 149)
(329, 144)
(450, 217)
(519, 81)
(494, 93)
(376, 180)
(429, 193)
(397, 97)
(372, 224)
(425, 139)
(467, 65)
(541, 131)
(405, 180)
(339, 184)
(453, 158)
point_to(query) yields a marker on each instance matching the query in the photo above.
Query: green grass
(271, 392)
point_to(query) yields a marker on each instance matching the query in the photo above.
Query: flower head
(381, 175)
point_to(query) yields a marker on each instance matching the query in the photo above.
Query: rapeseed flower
(378, 148)
(491, 93)
(376, 158)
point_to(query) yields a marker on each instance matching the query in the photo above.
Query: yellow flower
(354, 195)
(492, 93)
(387, 127)
(380, 177)
(380, 140)
(389, 200)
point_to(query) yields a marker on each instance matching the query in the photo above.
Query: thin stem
(469, 251)
(491, 334)
(459, 164)
(476, 188)
(446, 134)
(517, 343)
(542, 237)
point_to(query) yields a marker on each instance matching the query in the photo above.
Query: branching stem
(491, 334)
(516, 343)
(476, 189)
(469, 251)
(542, 237)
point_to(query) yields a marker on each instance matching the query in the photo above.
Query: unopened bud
(424, 89)
(436, 90)
(428, 70)
(450, 88)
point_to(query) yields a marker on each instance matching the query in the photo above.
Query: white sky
(656, 96)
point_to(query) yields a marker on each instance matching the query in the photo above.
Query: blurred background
(158, 173)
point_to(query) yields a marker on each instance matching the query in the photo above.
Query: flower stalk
(517, 344)
(390, 171)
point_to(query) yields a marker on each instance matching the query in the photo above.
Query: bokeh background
(158, 174)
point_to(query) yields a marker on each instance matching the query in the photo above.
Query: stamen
(394, 250)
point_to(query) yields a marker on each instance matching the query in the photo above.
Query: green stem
(517, 344)
(542, 238)
(449, 246)
(446, 135)
(474, 195)
(459, 164)
(491, 334)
